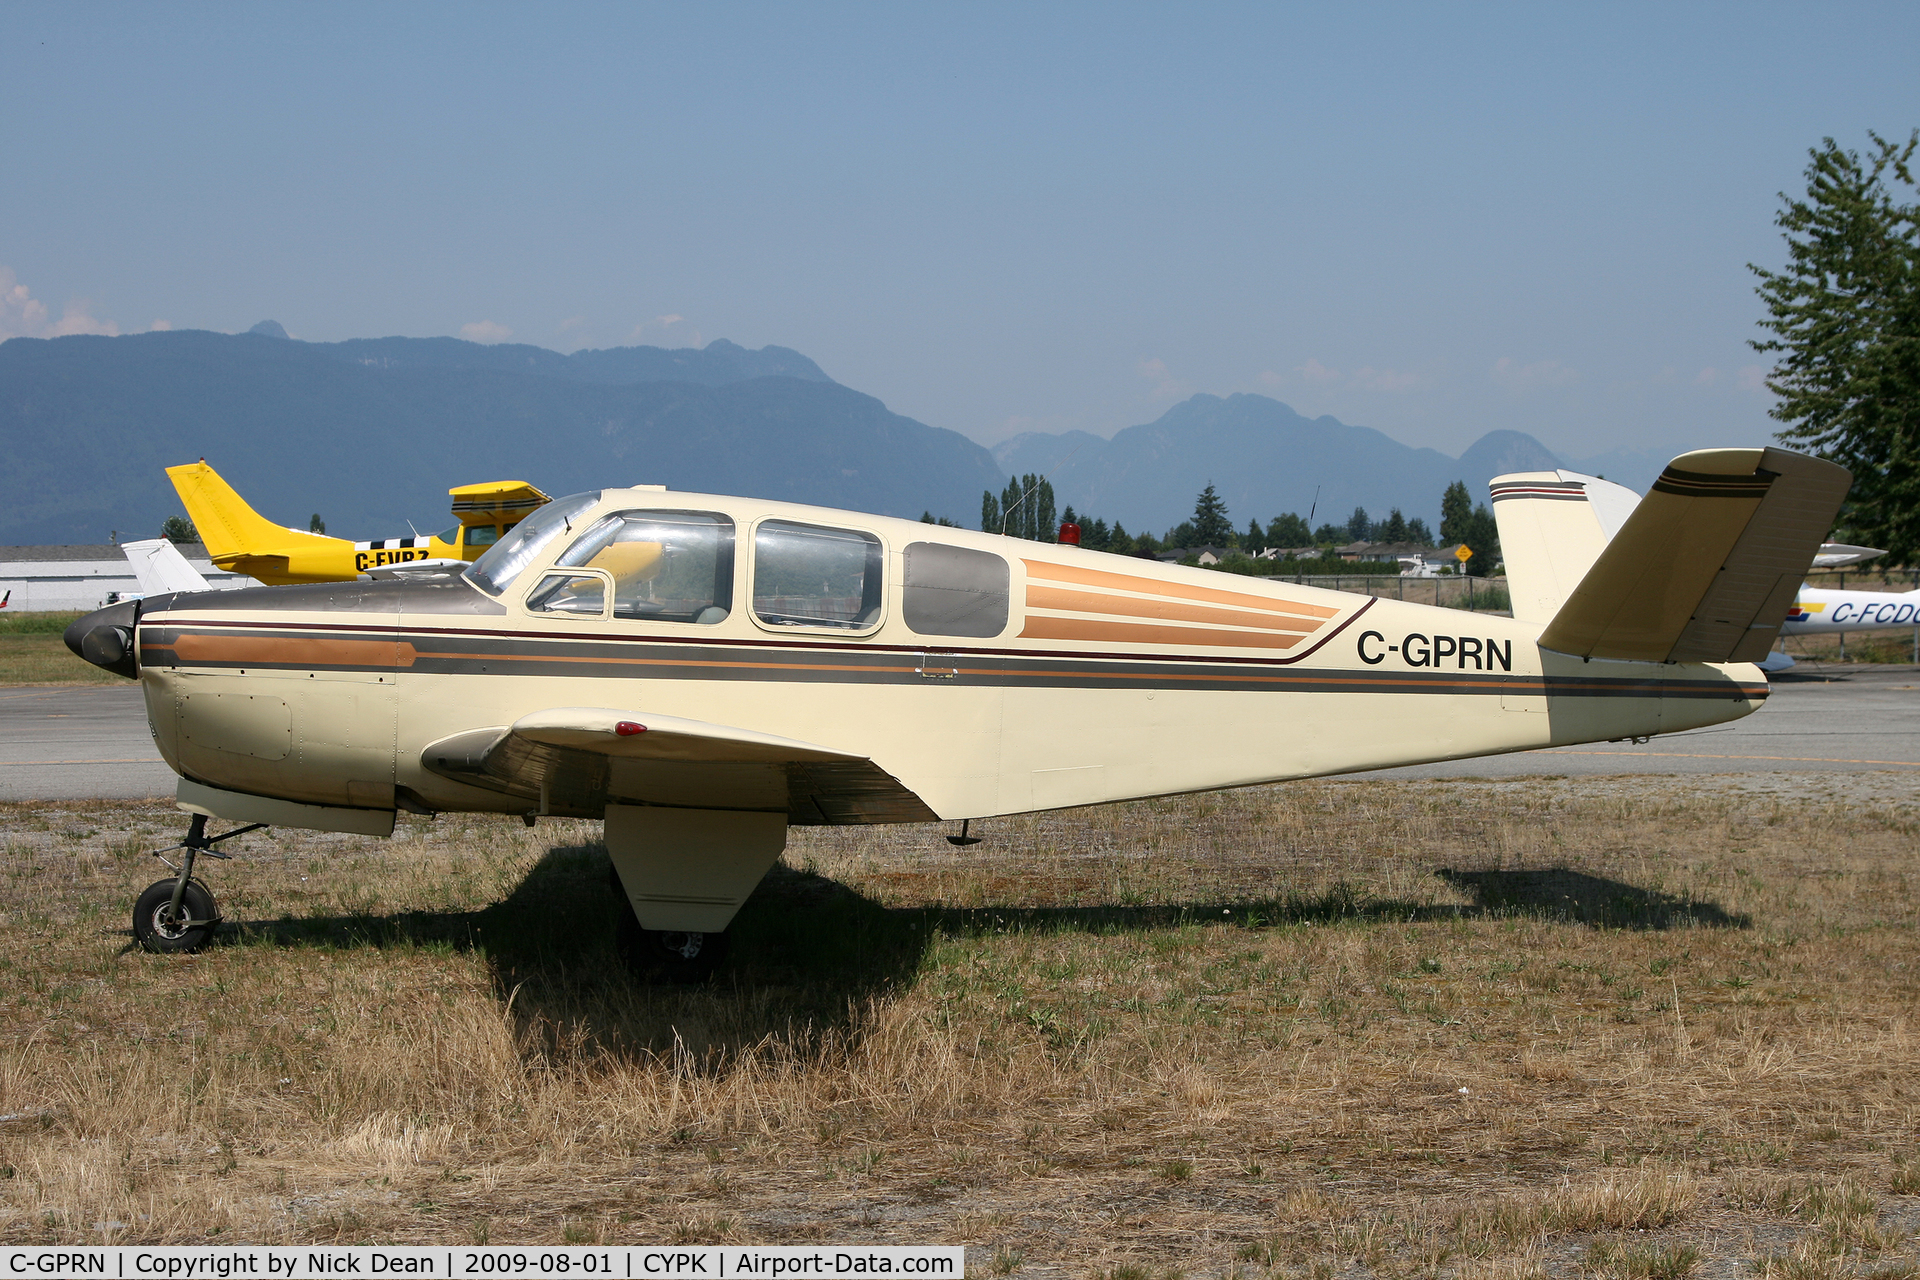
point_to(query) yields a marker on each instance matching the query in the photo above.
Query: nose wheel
(179, 914)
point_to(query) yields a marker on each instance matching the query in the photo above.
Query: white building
(42, 579)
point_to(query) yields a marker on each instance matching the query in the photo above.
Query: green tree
(179, 529)
(1417, 531)
(1483, 536)
(315, 524)
(1254, 540)
(1394, 528)
(989, 512)
(1359, 526)
(1288, 530)
(1330, 535)
(1844, 315)
(1456, 514)
(1211, 528)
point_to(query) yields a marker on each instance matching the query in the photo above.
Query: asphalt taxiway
(91, 742)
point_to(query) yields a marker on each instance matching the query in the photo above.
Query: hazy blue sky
(1431, 219)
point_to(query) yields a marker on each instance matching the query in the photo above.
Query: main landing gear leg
(178, 914)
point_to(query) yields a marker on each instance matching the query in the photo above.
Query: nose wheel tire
(669, 955)
(158, 928)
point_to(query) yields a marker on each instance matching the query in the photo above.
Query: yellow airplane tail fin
(226, 524)
(1706, 567)
(1553, 526)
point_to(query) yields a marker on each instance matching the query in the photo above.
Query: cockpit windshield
(495, 571)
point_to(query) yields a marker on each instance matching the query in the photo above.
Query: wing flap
(582, 758)
(1706, 567)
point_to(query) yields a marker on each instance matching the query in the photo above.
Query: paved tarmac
(1831, 719)
(91, 742)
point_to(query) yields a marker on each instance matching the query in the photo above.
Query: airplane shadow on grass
(809, 952)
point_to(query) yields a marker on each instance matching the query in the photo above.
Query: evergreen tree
(1096, 536)
(1483, 536)
(1253, 539)
(1845, 316)
(1330, 535)
(1395, 527)
(1417, 531)
(1359, 527)
(316, 524)
(1012, 510)
(1118, 541)
(1456, 514)
(1046, 527)
(180, 529)
(1211, 528)
(989, 512)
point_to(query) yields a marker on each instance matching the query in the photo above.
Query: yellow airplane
(702, 671)
(241, 540)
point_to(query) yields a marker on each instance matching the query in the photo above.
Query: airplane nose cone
(105, 638)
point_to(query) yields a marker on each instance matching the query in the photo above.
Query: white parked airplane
(703, 671)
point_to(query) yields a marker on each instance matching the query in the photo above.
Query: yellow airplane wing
(495, 502)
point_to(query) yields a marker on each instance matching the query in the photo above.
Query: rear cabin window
(667, 566)
(807, 575)
(953, 591)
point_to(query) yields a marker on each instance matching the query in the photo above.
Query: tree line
(1026, 509)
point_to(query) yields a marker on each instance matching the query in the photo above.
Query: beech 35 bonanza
(702, 672)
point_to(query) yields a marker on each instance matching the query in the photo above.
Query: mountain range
(1263, 459)
(370, 433)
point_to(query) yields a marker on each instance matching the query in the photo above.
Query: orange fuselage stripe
(1180, 590)
(1163, 610)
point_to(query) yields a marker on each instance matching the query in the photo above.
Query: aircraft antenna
(1315, 507)
(1037, 482)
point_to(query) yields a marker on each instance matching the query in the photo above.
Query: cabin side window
(667, 566)
(807, 575)
(482, 535)
(953, 591)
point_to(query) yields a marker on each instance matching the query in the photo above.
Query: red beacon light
(1070, 534)
(627, 728)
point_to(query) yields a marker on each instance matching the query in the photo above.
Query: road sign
(1463, 553)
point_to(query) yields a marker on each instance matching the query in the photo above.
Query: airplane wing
(495, 500)
(161, 568)
(1706, 567)
(585, 757)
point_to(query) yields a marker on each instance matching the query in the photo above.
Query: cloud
(1529, 377)
(1366, 378)
(1166, 386)
(160, 326)
(571, 323)
(1706, 377)
(1750, 377)
(485, 331)
(24, 316)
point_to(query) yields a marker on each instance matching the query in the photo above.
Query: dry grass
(1640, 1027)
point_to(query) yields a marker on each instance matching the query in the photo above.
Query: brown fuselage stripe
(1039, 628)
(1064, 670)
(1154, 587)
(1162, 610)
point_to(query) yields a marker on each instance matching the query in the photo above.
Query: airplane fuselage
(1103, 678)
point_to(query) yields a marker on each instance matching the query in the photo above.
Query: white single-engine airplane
(704, 671)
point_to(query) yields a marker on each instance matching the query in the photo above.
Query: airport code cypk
(289, 1262)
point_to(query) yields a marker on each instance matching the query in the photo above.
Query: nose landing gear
(179, 914)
